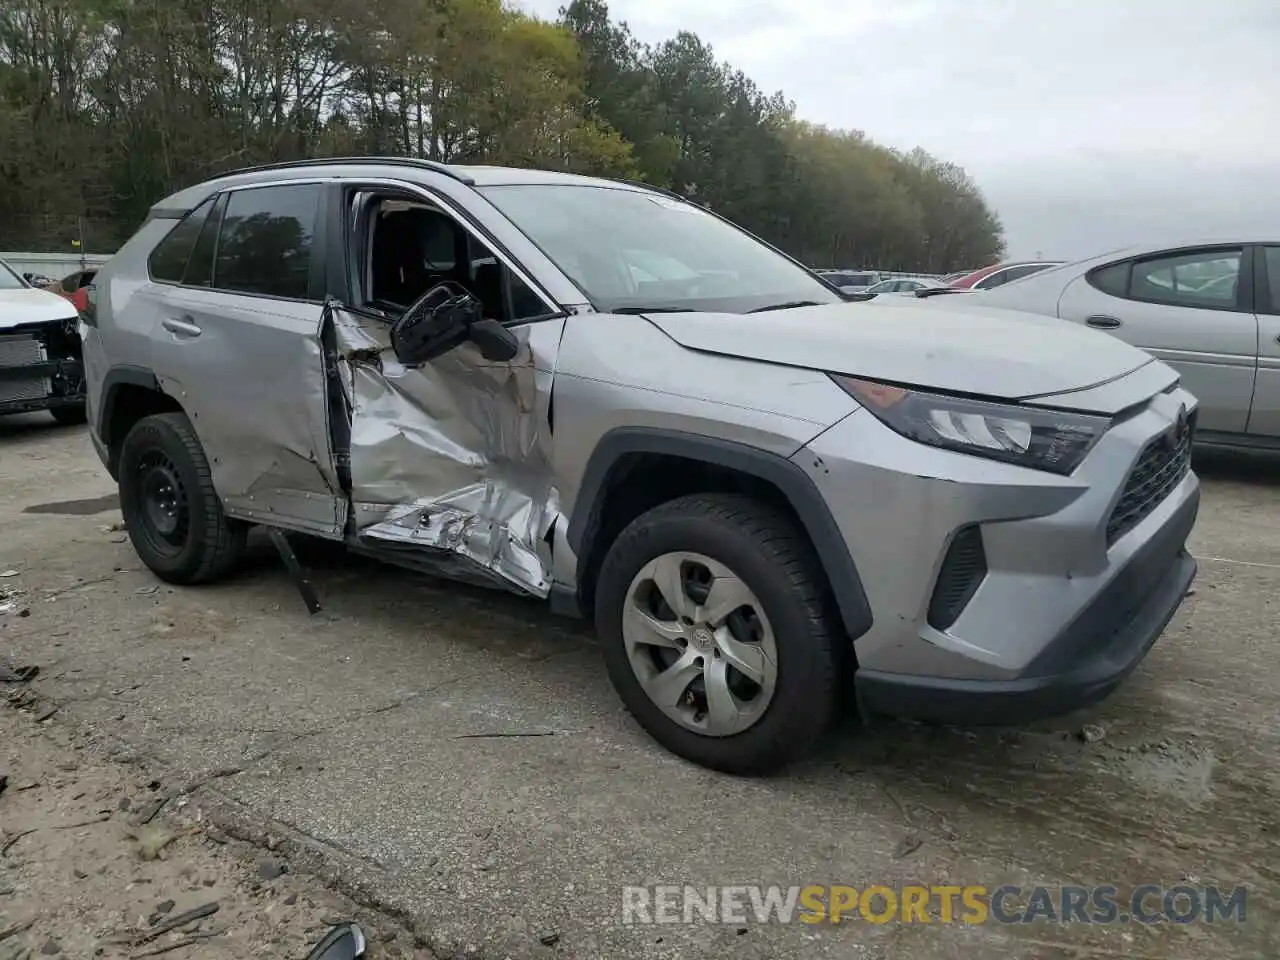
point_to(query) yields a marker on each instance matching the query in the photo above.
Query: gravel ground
(100, 860)
(457, 759)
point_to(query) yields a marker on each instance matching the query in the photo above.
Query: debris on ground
(1091, 733)
(79, 879)
(12, 674)
(150, 840)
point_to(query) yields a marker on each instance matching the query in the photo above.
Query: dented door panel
(451, 460)
(250, 376)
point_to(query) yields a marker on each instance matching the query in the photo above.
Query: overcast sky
(1088, 124)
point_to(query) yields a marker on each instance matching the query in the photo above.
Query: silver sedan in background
(907, 285)
(1211, 310)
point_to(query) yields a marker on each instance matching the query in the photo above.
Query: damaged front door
(449, 433)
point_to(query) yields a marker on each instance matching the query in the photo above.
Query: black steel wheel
(171, 510)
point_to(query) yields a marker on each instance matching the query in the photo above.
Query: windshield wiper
(786, 306)
(630, 310)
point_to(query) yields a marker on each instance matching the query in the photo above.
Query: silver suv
(600, 395)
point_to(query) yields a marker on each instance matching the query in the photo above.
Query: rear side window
(168, 260)
(1199, 279)
(265, 244)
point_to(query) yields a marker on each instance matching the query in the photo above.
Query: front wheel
(170, 507)
(719, 632)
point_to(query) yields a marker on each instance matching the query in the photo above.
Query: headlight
(1042, 439)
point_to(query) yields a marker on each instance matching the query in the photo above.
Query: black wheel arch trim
(120, 375)
(123, 374)
(789, 479)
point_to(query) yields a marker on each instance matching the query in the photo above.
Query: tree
(108, 105)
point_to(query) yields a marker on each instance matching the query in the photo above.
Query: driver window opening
(412, 246)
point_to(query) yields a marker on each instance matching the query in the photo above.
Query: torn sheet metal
(451, 459)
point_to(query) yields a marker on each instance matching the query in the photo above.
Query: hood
(991, 353)
(30, 305)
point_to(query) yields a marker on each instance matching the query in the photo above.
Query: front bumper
(1082, 665)
(1062, 607)
(37, 386)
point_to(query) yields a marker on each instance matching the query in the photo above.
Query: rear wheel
(171, 510)
(719, 633)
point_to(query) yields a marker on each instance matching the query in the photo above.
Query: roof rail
(340, 161)
(649, 186)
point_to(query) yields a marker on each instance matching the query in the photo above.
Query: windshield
(631, 251)
(8, 279)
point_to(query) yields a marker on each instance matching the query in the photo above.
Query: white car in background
(905, 285)
(40, 359)
(1210, 310)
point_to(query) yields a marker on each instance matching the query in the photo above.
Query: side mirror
(437, 322)
(445, 317)
(494, 341)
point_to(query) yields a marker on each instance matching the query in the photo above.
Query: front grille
(963, 570)
(21, 350)
(1159, 469)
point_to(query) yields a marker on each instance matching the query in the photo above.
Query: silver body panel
(475, 468)
(265, 431)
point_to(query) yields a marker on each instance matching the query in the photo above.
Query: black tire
(70, 416)
(773, 557)
(206, 544)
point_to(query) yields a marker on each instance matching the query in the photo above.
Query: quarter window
(265, 244)
(199, 272)
(168, 260)
(1113, 279)
(1272, 255)
(1203, 279)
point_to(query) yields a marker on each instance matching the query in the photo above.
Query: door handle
(1102, 322)
(181, 326)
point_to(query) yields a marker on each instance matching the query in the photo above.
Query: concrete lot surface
(458, 757)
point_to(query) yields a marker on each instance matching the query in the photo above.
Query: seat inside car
(398, 263)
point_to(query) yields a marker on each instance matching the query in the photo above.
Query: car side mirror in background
(443, 318)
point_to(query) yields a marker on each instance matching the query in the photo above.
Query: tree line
(108, 105)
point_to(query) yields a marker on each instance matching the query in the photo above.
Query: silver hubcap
(700, 644)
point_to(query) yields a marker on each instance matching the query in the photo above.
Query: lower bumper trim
(1090, 678)
(40, 403)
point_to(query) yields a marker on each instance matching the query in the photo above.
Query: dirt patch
(97, 861)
